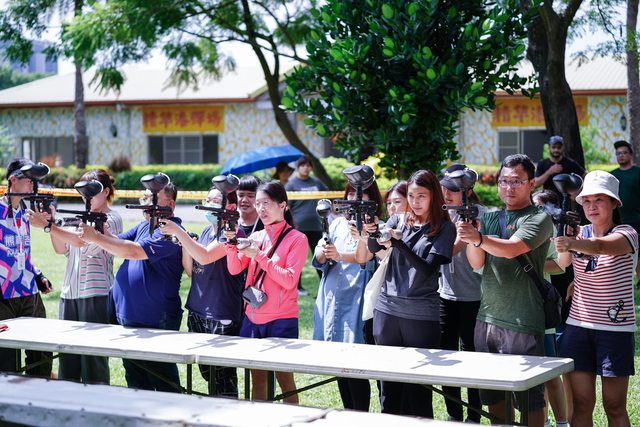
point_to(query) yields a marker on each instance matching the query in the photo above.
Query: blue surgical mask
(213, 219)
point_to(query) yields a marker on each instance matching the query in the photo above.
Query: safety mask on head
(213, 219)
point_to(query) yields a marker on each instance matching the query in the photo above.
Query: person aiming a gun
(459, 285)
(215, 297)
(146, 287)
(88, 275)
(21, 282)
(338, 309)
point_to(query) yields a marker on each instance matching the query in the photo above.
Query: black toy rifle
(227, 218)
(154, 183)
(37, 202)
(88, 190)
(323, 209)
(565, 217)
(360, 177)
(464, 179)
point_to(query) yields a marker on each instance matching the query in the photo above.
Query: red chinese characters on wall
(525, 112)
(183, 119)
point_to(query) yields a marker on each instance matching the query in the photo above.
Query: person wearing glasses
(628, 175)
(601, 324)
(274, 262)
(511, 316)
(556, 163)
(214, 302)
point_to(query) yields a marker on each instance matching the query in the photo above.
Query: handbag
(254, 295)
(551, 299)
(374, 286)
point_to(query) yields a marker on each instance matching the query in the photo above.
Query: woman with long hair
(88, 278)
(407, 310)
(395, 199)
(600, 329)
(274, 259)
(338, 310)
(214, 301)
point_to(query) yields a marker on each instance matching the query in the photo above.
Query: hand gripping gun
(360, 177)
(565, 217)
(323, 209)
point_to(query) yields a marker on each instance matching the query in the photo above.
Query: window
(526, 141)
(193, 149)
(52, 150)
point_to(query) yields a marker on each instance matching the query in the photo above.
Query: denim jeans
(158, 376)
(226, 379)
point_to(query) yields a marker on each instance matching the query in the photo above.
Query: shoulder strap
(260, 272)
(523, 259)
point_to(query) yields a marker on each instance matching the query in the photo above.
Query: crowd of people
(450, 282)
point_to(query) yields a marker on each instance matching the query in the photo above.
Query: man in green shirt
(629, 176)
(511, 316)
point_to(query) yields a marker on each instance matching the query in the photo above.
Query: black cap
(446, 181)
(14, 168)
(622, 143)
(556, 139)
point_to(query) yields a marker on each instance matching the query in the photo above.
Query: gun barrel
(68, 222)
(70, 211)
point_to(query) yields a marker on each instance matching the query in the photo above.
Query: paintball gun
(565, 217)
(88, 190)
(227, 218)
(323, 209)
(35, 172)
(464, 179)
(154, 183)
(360, 177)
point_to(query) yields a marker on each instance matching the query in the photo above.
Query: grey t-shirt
(304, 213)
(458, 281)
(407, 292)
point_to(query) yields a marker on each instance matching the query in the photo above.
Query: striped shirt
(603, 296)
(89, 271)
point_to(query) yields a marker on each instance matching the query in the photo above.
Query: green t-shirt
(628, 192)
(510, 299)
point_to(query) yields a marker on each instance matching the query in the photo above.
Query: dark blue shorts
(279, 328)
(606, 353)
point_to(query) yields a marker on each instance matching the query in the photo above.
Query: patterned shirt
(15, 239)
(89, 271)
(603, 295)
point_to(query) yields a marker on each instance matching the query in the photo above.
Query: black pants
(402, 398)
(30, 306)
(313, 237)
(457, 324)
(355, 393)
(225, 382)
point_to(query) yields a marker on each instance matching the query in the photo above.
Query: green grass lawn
(326, 396)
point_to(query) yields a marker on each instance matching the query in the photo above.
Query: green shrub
(185, 177)
(488, 195)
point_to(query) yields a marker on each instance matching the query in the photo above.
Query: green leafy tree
(189, 32)
(23, 20)
(10, 78)
(394, 75)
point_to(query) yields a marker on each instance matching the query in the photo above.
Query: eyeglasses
(211, 201)
(513, 183)
(622, 153)
(266, 204)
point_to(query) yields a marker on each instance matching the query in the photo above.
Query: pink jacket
(282, 271)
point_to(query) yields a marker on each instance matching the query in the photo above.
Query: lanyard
(17, 225)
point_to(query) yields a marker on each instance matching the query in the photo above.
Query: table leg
(247, 384)
(18, 360)
(524, 407)
(189, 378)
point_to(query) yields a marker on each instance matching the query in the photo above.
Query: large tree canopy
(394, 75)
(190, 32)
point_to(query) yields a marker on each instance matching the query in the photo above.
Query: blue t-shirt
(215, 293)
(145, 290)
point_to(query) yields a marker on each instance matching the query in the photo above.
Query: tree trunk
(633, 79)
(80, 139)
(547, 43)
(273, 88)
